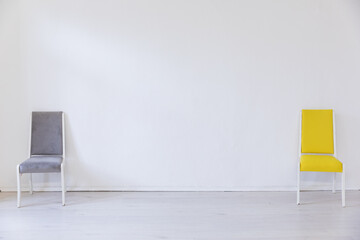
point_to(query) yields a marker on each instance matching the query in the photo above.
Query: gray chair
(47, 149)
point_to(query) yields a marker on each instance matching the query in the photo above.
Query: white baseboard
(180, 189)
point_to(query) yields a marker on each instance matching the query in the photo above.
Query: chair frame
(62, 172)
(334, 173)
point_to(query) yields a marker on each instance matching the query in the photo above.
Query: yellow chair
(317, 146)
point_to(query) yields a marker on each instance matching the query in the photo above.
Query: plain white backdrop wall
(179, 95)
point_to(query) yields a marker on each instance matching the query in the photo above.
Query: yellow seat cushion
(320, 163)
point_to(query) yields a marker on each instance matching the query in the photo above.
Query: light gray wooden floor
(180, 215)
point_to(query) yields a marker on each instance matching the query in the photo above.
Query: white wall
(179, 95)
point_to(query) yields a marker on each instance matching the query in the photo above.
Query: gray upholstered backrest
(46, 133)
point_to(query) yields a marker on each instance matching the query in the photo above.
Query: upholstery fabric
(320, 163)
(46, 133)
(41, 164)
(317, 131)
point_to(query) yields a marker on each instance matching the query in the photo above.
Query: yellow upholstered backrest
(317, 131)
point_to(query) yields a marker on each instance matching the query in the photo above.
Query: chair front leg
(18, 174)
(63, 187)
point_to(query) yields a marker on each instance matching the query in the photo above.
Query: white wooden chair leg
(334, 181)
(30, 183)
(298, 189)
(343, 188)
(63, 188)
(18, 186)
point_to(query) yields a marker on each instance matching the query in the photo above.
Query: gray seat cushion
(41, 164)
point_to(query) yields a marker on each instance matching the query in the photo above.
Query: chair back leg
(30, 184)
(343, 187)
(334, 181)
(298, 189)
